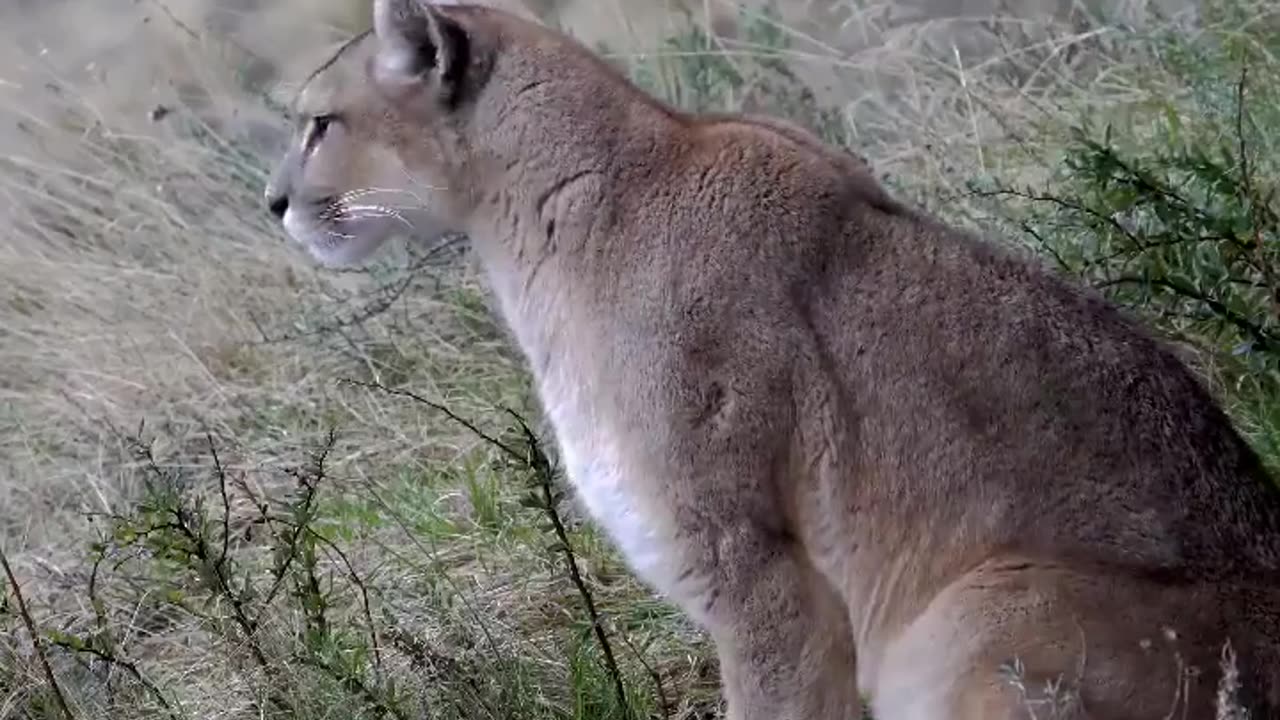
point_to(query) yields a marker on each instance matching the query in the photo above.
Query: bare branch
(36, 640)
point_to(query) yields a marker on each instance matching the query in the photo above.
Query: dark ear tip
(455, 50)
(415, 43)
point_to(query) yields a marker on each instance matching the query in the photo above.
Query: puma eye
(319, 126)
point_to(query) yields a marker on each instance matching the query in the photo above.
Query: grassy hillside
(219, 498)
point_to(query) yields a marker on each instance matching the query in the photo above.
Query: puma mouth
(333, 237)
(318, 222)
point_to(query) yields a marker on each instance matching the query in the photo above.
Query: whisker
(368, 216)
(362, 192)
(413, 180)
(360, 212)
(374, 209)
(338, 210)
(359, 193)
(360, 206)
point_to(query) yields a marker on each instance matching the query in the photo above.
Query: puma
(872, 455)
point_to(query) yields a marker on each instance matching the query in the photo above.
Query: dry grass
(140, 280)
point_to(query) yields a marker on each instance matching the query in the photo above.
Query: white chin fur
(332, 249)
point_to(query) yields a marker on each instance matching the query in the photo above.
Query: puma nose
(278, 204)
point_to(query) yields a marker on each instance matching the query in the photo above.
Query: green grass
(179, 381)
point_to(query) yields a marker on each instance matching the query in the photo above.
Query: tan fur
(824, 423)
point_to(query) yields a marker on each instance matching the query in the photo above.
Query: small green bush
(275, 581)
(1168, 206)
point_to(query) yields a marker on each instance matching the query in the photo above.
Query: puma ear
(415, 40)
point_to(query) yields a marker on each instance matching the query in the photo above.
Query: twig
(200, 550)
(1143, 181)
(536, 461)
(1065, 204)
(115, 661)
(353, 685)
(308, 498)
(356, 580)
(219, 583)
(383, 298)
(1250, 328)
(1245, 176)
(543, 474)
(177, 22)
(507, 449)
(283, 570)
(364, 596)
(654, 675)
(36, 640)
(433, 553)
(226, 500)
(1246, 181)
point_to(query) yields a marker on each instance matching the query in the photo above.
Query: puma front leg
(781, 632)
